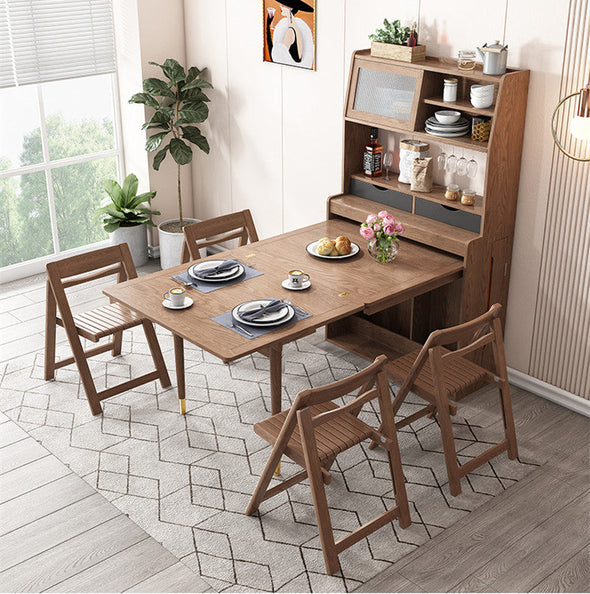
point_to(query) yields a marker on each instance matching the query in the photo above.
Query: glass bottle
(373, 156)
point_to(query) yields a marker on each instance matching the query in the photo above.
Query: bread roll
(342, 245)
(324, 247)
(334, 252)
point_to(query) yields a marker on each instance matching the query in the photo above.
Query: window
(59, 127)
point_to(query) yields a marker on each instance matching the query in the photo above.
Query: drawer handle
(449, 208)
(380, 188)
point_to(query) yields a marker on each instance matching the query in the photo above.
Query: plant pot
(136, 238)
(398, 52)
(171, 244)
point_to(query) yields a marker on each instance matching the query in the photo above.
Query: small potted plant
(397, 43)
(178, 102)
(382, 231)
(125, 214)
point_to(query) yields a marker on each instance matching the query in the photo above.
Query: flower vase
(383, 254)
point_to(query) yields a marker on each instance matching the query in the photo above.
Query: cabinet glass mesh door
(388, 95)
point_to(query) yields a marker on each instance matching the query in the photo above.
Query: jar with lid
(450, 90)
(468, 197)
(466, 60)
(453, 192)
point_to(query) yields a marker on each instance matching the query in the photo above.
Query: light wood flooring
(58, 534)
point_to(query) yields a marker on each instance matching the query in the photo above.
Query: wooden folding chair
(238, 225)
(439, 375)
(93, 325)
(314, 431)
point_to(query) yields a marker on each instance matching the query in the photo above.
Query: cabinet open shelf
(462, 105)
(437, 194)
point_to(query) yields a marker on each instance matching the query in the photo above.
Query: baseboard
(553, 393)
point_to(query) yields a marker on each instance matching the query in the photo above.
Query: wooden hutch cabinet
(399, 97)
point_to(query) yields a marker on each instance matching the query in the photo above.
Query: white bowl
(480, 90)
(447, 116)
(481, 103)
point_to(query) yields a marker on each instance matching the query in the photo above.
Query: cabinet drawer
(382, 195)
(447, 214)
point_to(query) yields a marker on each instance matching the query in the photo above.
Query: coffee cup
(176, 296)
(297, 278)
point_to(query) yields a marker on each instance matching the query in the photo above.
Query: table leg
(276, 385)
(179, 360)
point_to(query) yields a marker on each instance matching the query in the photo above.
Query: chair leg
(154, 345)
(117, 343)
(264, 481)
(85, 375)
(50, 329)
(508, 418)
(318, 493)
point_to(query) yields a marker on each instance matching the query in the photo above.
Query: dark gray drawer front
(448, 215)
(382, 195)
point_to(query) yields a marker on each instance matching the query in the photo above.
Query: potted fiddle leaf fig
(176, 103)
(125, 215)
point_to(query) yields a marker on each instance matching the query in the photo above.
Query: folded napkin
(213, 270)
(271, 306)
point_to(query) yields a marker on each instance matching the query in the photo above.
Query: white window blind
(45, 40)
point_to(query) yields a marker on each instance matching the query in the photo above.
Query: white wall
(276, 131)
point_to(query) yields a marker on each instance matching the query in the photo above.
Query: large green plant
(178, 102)
(125, 207)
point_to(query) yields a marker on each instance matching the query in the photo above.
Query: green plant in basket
(392, 33)
(125, 207)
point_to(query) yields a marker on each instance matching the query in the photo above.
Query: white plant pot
(136, 238)
(171, 244)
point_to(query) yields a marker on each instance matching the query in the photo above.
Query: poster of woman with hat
(289, 39)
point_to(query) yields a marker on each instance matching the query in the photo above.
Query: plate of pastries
(333, 249)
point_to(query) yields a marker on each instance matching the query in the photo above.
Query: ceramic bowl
(480, 103)
(481, 90)
(447, 116)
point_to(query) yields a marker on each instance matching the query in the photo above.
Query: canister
(450, 90)
(408, 151)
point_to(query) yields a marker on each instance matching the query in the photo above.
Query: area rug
(187, 480)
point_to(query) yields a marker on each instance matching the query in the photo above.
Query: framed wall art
(289, 32)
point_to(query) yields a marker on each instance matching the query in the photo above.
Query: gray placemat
(205, 287)
(226, 319)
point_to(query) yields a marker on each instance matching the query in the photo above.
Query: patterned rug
(187, 480)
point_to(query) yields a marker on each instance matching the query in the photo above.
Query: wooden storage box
(402, 53)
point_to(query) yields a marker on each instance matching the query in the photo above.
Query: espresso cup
(176, 296)
(297, 278)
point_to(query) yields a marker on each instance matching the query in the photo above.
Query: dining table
(340, 288)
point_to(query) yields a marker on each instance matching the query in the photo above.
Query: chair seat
(460, 376)
(104, 321)
(333, 437)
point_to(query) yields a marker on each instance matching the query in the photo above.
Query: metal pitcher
(494, 57)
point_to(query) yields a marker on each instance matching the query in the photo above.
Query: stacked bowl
(482, 96)
(447, 124)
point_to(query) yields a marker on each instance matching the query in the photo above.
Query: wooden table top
(339, 288)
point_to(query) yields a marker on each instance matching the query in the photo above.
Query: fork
(297, 309)
(183, 282)
(242, 329)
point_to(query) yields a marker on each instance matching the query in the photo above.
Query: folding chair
(314, 431)
(93, 325)
(439, 375)
(238, 225)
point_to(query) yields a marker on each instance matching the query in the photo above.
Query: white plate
(187, 303)
(287, 285)
(226, 275)
(460, 122)
(249, 305)
(447, 134)
(311, 249)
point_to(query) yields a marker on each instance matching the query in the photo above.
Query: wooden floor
(58, 534)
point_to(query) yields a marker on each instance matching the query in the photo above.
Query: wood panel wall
(560, 352)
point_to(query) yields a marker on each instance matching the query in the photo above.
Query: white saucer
(187, 303)
(287, 285)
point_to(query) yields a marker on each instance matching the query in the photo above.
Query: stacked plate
(273, 318)
(218, 277)
(459, 128)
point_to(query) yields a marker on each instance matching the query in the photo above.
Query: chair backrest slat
(86, 278)
(237, 225)
(474, 346)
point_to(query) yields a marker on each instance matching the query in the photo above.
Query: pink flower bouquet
(382, 231)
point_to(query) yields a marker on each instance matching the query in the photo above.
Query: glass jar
(466, 60)
(468, 197)
(453, 192)
(450, 90)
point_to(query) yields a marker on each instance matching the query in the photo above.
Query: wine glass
(387, 163)
(462, 166)
(472, 168)
(442, 160)
(451, 163)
